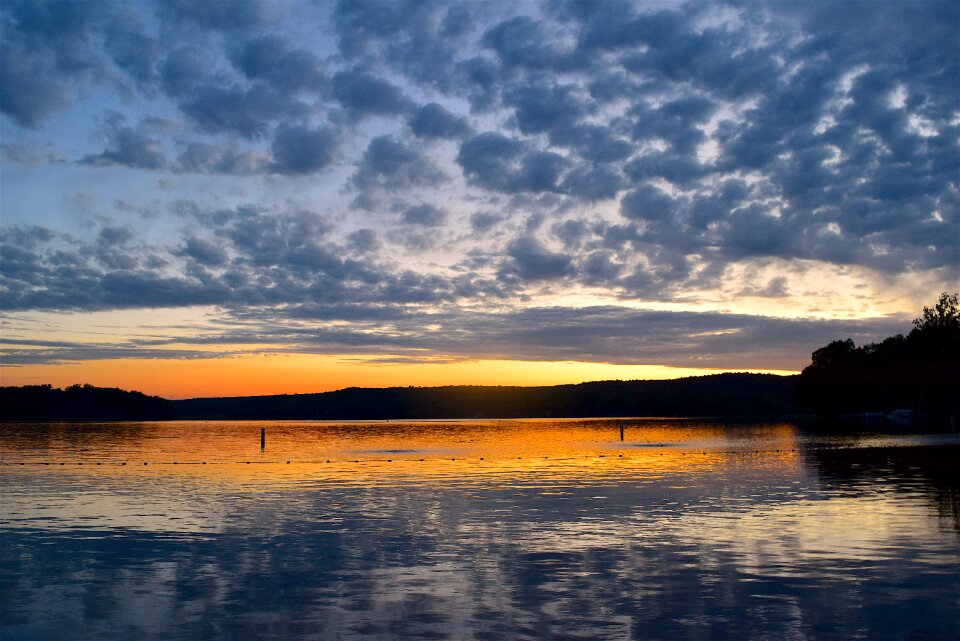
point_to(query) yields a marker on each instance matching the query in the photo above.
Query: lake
(521, 529)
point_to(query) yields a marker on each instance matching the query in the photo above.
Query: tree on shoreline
(919, 371)
(80, 403)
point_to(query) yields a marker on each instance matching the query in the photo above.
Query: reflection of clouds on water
(63, 500)
(724, 542)
(924, 465)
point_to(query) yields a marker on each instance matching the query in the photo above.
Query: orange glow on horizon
(299, 374)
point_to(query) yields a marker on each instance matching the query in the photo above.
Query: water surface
(477, 530)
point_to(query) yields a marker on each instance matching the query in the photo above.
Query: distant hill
(717, 395)
(81, 403)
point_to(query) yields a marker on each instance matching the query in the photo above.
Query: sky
(230, 198)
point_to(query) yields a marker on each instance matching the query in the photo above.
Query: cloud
(205, 252)
(206, 158)
(608, 334)
(592, 184)
(237, 15)
(433, 121)
(133, 147)
(299, 150)
(364, 22)
(363, 94)
(648, 202)
(270, 58)
(28, 94)
(482, 221)
(520, 42)
(665, 147)
(389, 165)
(46, 49)
(498, 163)
(530, 260)
(363, 240)
(541, 108)
(245, 111)
(425, 215)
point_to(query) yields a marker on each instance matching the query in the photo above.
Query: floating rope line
(390, 460)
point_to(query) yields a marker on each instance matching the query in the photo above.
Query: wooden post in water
(263, 437)
(621, 430)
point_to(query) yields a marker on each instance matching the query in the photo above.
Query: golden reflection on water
(496, 529)
(523, 452)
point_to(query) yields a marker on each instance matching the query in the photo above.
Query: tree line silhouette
(919, 372)
(717, 395)
(81, 403)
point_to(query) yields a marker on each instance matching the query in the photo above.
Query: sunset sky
(231, 198)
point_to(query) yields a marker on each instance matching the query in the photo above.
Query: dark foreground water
(477, 530)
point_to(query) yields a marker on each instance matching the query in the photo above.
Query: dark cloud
(541, 108)
(478, 80)
(530, 260)
(363, 240)
(419, 40)
(205, 252)
(299, 150)
(363, 94)
(572, 233)
(521, 42)
(46, 52)
(185, 69)
(28, 93)
(362, 23)
(245, 111)
(592, 184)
(236, 15)
(389, 165)
(425, 215)
(678, 122)
(496, 162)
(271, 59)
(434, 121)
(594, 143)
(484, 221)
(132, 49)
(679, 169)
(649, 203)
(132, 147)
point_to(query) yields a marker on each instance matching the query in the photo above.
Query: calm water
(477, 530)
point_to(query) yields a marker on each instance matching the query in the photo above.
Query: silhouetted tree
(80, 403)
(920, 371)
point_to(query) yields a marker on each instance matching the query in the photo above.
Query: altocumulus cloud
(423, 160)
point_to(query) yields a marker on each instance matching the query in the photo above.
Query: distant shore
(720, 395)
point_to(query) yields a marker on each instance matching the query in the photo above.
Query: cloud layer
(426, 160)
